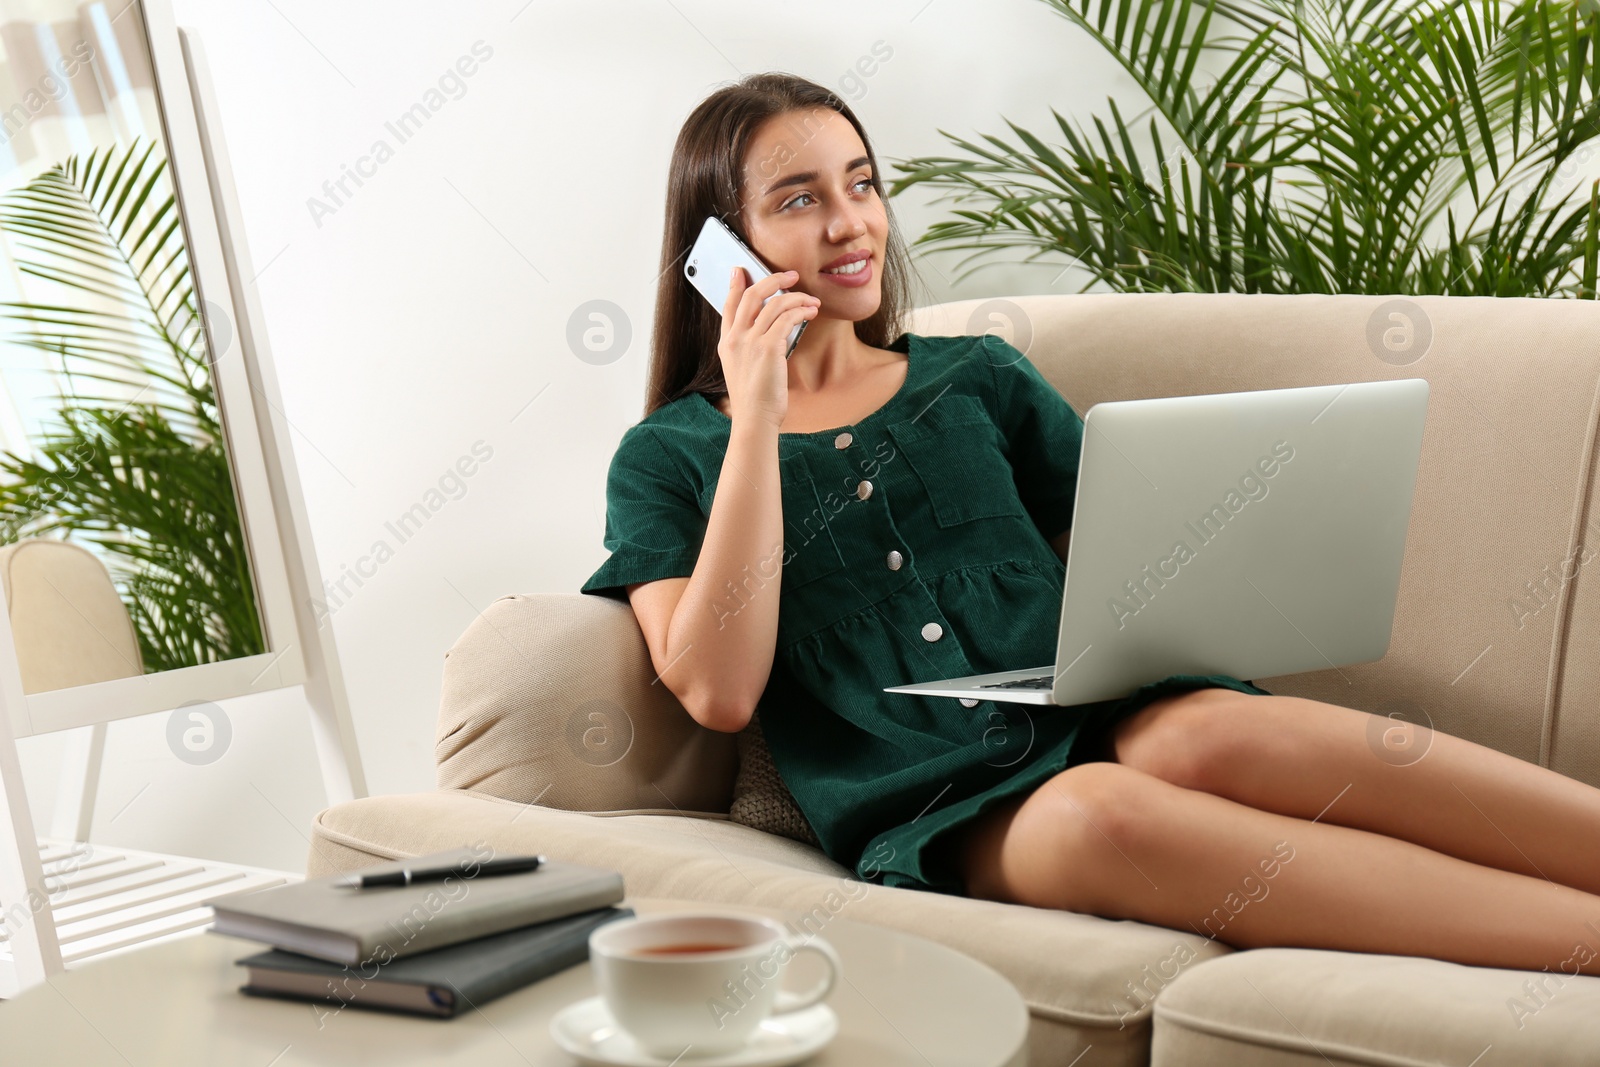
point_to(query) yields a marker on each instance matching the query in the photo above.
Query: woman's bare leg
(1110, 840)
(1313, 760)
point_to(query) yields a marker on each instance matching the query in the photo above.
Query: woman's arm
(714, 648)
(715, 635)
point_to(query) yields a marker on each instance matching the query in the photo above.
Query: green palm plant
(1357, 146)
(146, 479)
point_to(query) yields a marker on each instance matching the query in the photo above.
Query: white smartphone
(709, 269)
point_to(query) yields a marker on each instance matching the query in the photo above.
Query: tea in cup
(701, 980)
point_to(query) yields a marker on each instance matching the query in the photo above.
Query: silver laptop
(1249, 534)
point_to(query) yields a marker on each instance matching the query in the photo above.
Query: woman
(883, 507)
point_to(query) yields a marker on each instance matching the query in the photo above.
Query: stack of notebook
(429, 948)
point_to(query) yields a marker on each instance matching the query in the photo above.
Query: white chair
(71, 628)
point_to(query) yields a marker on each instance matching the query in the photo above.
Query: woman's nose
(848, 223)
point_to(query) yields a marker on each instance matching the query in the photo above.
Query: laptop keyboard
(1042, 681)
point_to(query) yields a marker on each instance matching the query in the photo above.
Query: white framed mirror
(129, 423)
(125, 275)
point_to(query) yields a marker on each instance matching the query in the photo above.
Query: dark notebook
(321, 917)
(441, 982)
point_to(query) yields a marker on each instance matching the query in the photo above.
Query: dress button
(967, 703)
(895, 559)
(863, 489)
(932, 632)
(843, 440)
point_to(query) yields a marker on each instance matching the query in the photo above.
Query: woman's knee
(1196, 739)
(1093, 803)
(1058, 846)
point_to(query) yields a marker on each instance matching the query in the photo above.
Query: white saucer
(588, 1031)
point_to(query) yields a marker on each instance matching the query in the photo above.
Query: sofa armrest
(552, 699)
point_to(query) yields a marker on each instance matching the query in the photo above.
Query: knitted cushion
(760, 799)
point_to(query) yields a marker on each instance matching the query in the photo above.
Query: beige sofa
(552, 737)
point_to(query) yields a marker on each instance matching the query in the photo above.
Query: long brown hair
(706, 178)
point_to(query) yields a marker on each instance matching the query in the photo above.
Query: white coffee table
(903, 1000)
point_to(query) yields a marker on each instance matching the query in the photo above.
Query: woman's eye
(803, 196)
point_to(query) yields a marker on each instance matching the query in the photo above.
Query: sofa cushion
(1283, 1006)
(1088, 982)
(646, 845)
(760, 799)
(554, 699)
(1495, 625)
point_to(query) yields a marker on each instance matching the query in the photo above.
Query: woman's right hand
(754, 340)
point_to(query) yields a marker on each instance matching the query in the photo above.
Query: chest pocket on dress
(809, 550)
(954, 448)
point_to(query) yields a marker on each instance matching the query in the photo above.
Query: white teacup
(700, 979)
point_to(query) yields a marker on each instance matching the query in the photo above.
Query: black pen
(408, 875)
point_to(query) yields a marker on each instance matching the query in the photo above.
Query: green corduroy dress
(941, 568)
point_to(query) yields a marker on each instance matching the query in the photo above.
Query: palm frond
(1381, 146)
(138, 470)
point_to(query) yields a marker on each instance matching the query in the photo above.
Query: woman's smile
(853, 275)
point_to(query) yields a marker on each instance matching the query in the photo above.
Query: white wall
(428, 310)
